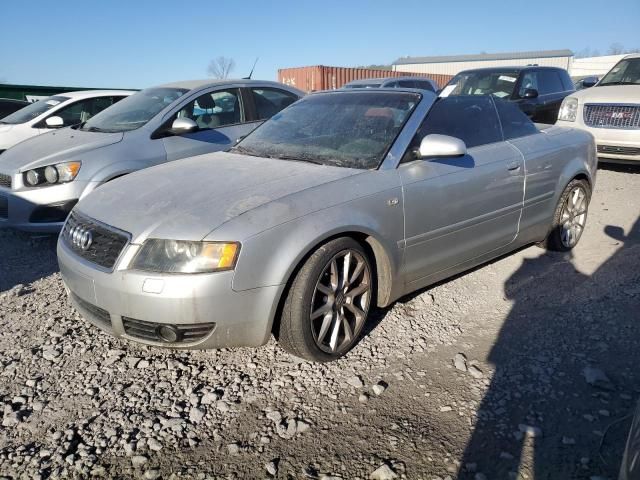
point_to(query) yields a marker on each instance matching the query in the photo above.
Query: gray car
(420, 83)
(42, 178)
(343, 201)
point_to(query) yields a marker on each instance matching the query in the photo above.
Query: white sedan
(53, 112)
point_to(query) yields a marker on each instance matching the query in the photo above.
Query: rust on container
(321, 77)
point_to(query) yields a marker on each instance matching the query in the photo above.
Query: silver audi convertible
(343, 201)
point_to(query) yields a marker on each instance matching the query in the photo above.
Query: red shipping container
(320, 77)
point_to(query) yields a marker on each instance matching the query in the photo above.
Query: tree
(221, 67)
(616, 49)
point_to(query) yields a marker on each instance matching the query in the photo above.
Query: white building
(598, 66)
(450, 65)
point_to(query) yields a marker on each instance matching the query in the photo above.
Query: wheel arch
(380, 258)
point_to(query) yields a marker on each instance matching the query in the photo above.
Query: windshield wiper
(244, 151)
(294, 159)
(619, 82)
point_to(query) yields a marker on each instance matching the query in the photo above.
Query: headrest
(206, 102)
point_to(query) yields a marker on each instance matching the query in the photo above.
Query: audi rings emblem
(81, 237)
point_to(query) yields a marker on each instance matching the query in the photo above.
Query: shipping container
(320, 77)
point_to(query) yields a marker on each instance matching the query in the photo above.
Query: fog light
(168, 333)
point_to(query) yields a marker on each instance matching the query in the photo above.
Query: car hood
(59, 146)
(187, 199)
(609, 94)
(5, 127)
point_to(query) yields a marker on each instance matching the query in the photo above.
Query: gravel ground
(524, 368)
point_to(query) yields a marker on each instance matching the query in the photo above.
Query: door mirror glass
(54, 122)
(436, 145)
(530, 93)
(183, 125)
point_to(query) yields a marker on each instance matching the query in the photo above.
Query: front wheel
(570, 217)
(328, 302)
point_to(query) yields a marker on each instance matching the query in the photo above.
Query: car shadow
(565, 370)
(25, 258)
(619, 167)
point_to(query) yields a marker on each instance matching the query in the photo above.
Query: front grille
(618, 150)
(4, 207)
(612, 116)
(97, 314)
(5, 180)
(149, 330)
(106, 242)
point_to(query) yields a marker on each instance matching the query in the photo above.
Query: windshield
(363, 85)
(346, 129)
(499, 84)
(34, 110)
(134, 111)
(626, 72)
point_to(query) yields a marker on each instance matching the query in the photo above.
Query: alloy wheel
(340, 302)
(574, 217)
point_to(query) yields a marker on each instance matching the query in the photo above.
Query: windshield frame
(602, 82)
(62, 100)
(238, 149)
(89, 127)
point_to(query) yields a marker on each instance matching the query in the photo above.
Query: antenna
(251, 72)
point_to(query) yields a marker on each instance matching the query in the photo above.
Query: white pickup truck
(610, 111)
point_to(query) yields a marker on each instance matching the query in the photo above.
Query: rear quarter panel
(552, 159)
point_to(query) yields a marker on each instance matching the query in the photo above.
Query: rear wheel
(570, 217)
(328, 302)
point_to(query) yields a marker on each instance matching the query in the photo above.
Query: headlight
(52, 174)
(568, 109)
(178, 256)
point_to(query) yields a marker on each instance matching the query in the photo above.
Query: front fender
(272, 256)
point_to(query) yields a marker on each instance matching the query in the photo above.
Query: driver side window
(214, 109)
(529, 80)
(471, 118)
(75, 113)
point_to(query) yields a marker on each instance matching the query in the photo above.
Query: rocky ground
(524, 368)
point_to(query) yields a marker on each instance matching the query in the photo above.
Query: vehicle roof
(14, 100)
(517, 68)
(208, 82)
(362, 91)
(79, 94)
(633, 55)
(385, 79)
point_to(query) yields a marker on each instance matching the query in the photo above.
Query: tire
(319, 298)
(569, 218)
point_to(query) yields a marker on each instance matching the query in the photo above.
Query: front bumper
(40, 209)
(111, 301)
(613, 144)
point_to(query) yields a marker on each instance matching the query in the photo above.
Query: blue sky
(113, 43)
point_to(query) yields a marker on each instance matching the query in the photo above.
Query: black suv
(538, 91)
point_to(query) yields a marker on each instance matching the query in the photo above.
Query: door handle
(513, 166)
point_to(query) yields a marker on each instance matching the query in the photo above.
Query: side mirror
(435, 145)
(54, 122)
(183, 125)
(530, 93)
(589, 82)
